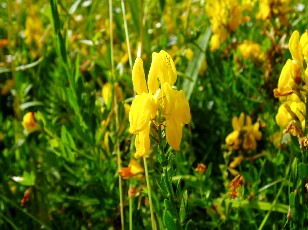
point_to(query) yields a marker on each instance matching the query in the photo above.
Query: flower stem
(149, 192)
(130, 208)
(126, 35)
(116, 114)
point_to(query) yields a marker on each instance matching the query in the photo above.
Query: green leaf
(169, 206)
(293, 204)
(194, 65)
(27, 179)
(135, 9)
(67, 138)
(29, 104)
(74, 7)
(184, 206)
(294, 171)
(190, 225)
(162, 187)
(303, 170)
(169, 221)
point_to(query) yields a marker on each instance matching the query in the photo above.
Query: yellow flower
(282, 118)
(151, 100)
(133, 169)
(233, 140)
(295, 48)
(285, 81)
(107, 92)
(304, 44)
(249, 49)
(236, 161)
(29, 123)
(264, 9)
(245, 134)
(225, 17)
(34, 31)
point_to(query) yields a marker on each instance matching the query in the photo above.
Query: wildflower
(268, 8)
(249, 49)
(234, 185)
(201, 168)
(29, 123)
(26, 197)
(236, 161)
(244, 135)
(133, 169)
(292, 89)
(285, 82)
(107, 92)
(163, 106)
(132, 192)
(34, 31)
(225, 17)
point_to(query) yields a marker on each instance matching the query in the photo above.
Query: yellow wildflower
(133, 169)
(245, 134)
(285, 82)
(225, 17)
(151, 100)
(29, 123)
(236, 161)
(249, 49)
(295, 48)
(201, 168)
(34, 31)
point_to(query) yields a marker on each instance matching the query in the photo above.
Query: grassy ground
(213, 148)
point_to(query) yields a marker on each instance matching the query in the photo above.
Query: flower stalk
(149, 193)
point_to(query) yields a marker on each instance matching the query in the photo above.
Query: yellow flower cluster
(250, 49)
(225, 16)
(269, 7)
(34, 31)
(292, 87)
(244, 135)
(165, 106)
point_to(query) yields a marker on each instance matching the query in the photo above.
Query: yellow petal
(248, 120)
(304, 44)
(106, 93)
(168, 69)
(169, 96)
(173, 132)
(233, 141)
(296, 48)
(142, 143)
(236, 161)
(155, 72)
(257, 134)
(285, 81)
(142, 110)
(139, 77)
(181, 111)
(29, 123)
(282, 119)
(235, 124)
(241, 120)
(135, 167)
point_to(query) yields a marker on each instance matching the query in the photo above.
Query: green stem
(275, 201)
(165, 168)
(126, 35)
(149, 193)
(130, 208)
(116, 114)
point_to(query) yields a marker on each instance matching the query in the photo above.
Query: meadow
(144, 114)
